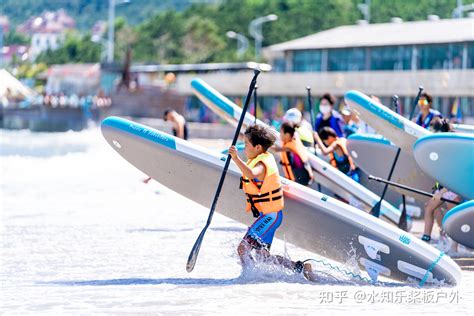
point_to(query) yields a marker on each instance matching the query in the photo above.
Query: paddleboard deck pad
(328, 176)
(313, 221)
(459, 223)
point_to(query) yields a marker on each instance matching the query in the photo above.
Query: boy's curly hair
(260, 135)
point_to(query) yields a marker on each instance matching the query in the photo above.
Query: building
(46, 31)
(381, 59)
(80, 79)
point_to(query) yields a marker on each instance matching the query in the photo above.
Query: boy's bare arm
(257, 172)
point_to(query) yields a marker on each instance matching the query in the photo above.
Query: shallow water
(81, 233)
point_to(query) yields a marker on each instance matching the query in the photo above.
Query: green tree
(201, 41)
(75, 49)
(159, 38)
(12, 38)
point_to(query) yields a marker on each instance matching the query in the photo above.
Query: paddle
(375, 211)
(401, 186)
(311, 115)
(197, 245)
(255, 104)
(403, 222)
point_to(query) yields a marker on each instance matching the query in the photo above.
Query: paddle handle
(197, 245)
(415, 102)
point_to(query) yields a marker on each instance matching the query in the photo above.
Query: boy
(261, 184)
(294, 156)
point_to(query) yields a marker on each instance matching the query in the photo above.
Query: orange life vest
(266, 196)
(297, 147)
(342, 163)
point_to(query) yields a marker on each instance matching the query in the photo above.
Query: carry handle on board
(375, 211)
(197, 245)
(401, 186)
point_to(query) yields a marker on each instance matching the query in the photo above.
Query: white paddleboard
(313, 221)
(374, 154)
(398, 129)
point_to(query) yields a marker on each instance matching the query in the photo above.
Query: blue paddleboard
(459, 223)
(449, 158)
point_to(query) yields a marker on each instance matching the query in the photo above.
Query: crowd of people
(61, 100)
(328, 133)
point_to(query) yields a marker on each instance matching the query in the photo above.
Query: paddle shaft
(311, 115)
(255, 98)
(395, 101)
(401, 186)
(197, 245)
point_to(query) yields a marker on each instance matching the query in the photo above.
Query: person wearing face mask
(327, 117)
(427, 114)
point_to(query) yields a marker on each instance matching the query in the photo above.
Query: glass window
(349, 59)
(307, 60)
(446, 56)
(390, 58)
(279, 65)
(470, 55)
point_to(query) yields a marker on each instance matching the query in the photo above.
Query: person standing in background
(328, 117)
(180, 129)
(427, 114)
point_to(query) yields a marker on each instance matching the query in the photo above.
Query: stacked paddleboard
(446, 157)
(374, 154)
(328, 176)
(313, 221)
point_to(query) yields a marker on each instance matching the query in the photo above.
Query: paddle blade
(375, 211)
(194, 252)
(403, 223)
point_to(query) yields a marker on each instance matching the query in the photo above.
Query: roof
(199, 67)
(83, 70)
(385, 34)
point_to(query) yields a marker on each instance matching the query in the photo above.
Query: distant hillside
(87, 12)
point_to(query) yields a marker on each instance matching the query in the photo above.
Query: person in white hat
(304, 130)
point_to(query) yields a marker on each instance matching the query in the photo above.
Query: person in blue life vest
(328, 117)
(427, 114)
(263, 191)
